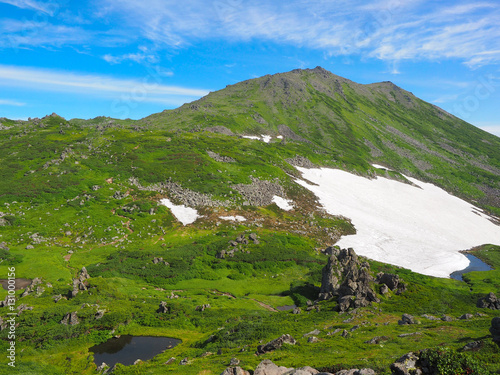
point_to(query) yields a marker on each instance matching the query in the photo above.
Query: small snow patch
(282, 203)
(380, 167)
(186, 215)
(233, 218)
(251, 137)
(279, 137)
(266, 138)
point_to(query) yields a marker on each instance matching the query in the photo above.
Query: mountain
(202, 223)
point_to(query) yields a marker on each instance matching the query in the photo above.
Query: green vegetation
(85, 193)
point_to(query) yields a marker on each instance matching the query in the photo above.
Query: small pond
(286, 307)
(127, 349)
(20, 283)
(476, 264)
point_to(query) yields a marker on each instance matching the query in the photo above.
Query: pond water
(20, 283)
(127, 349)
(286, 307)
(476, 264)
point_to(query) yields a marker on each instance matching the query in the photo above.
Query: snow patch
(251, 137)
(266, 138)
(186, 215)
(279, 137)
(380, 167)
(282, 203)
(422, 229)
(233, 218)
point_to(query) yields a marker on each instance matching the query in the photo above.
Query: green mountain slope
(354, 125)
(85, 193)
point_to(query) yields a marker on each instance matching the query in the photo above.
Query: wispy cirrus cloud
(44, 7)
(148, 87)
(388, 30)
(11, 103)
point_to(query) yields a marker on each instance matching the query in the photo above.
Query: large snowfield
(420, 228)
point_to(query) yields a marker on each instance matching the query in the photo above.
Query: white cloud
(492, 128)
(148, 88)
(11, 102)
(394, 30)
(45, 7)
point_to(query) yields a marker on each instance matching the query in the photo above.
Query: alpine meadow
(296, 223)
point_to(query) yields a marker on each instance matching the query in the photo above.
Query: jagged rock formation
(489, 302)
(276, 344)
(79, 283)
(347, 278)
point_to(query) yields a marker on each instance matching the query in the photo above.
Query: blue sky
(130, 58)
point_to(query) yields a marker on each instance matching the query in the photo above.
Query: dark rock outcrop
(489, 302)
(276, 344)
(345, 277)
(495, 329)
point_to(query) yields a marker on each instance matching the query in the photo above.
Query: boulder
(276, 344)
(495, 329)
(406, 365)
(267, 367)
(235, 371)
(489, 302)
(389, 279)
(163, 308)
(466, 316)
(345, 277)
(71, 319)
(407, 319)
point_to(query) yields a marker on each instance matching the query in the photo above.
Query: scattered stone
(312, 333)
(407, 319)
(276, 344)
(219, 158)
(446, 318)
(3, 245)
(23, 307)
(202, 307)
(384, 289)
(300, 161)
(377, 340)
(184, 361)
(99, 314)
(466, 317)
(163, 308)
(170, 361)
(312, 339)
(409, 334)
(355, 371)
(234, 362)
(474, 345)
(489, 302)
(296, 310)
(29, 247)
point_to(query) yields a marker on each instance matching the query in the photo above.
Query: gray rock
(184, 361)
(446, 318)
(391, 280)
(312, 333)
(489, 302)
(474, 345)
(3, 246)
(235, 371)
(384, 289)
(267, 367)
(312, 339)
(296, 310)
(163, 308)
(406, 365)
(234, 362)
(276, 344)
(466, 316)
(407, 319)
(345, 277)
(71, 319)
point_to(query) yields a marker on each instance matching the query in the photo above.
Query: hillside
(199, 224)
